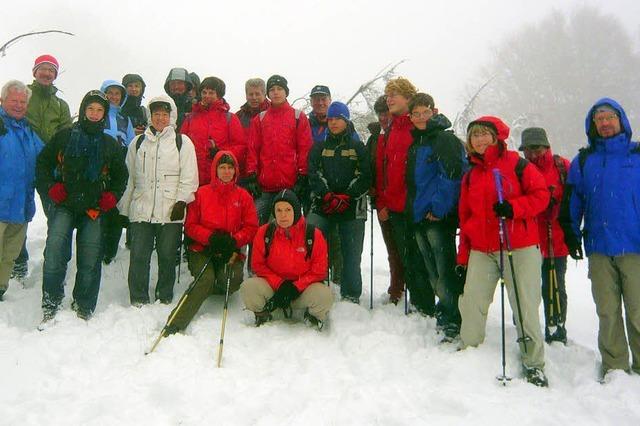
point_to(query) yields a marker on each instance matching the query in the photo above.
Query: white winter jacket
(159, 174)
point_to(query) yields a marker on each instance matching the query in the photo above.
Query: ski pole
(503, 378)
(181, 302)
(554, 292)
(371, 254)
(504, 241)
(180, 256)
(227, 268)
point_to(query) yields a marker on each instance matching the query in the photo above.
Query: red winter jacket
(278, 148)
(391, 165)
(546, 165)
(204, 124)
(287, 254)
(221, 207)
(479, 225)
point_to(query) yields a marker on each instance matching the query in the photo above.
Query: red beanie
(45, 59)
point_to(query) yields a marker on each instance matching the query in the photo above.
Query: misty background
(539, 63)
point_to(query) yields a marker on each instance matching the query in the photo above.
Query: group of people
(289, 192)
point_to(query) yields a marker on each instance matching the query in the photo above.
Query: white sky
(338, 43)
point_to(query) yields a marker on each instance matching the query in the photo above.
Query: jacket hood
(214, 168)
(110, 83)
(501, 129)
(130, 78)
(436, 123)
(590, 126)
(178, 74)
(173, 115)
(290, 197)
(93, 96)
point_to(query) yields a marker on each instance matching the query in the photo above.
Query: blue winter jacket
(604, 190)
(118, 126)
(435, 165)
(19, 147)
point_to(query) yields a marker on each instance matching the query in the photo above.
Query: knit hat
(214, 83)
(339, 110)
(290, 197)
(45, 59)
(277, 80)
(320, 90)
(130, 78)
(533, 136)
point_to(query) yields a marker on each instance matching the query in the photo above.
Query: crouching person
(163, 177)
(82, 172)
(220, 222)
(290, 263)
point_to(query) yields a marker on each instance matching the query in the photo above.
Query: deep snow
(367, 367)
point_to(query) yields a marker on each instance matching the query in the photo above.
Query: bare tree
(3, 49)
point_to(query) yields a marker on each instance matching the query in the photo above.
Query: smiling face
(94, 112)
(160, 118)
(320, 104)
(481, 138)
(114, 94)
(15, 104)
(420, 115)
(45, 74)
(255, 96)
(397, 103)
(208, 96)
(607, 123)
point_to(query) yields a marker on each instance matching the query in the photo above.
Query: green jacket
(47, 113)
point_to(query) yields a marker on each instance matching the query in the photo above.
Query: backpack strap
(583, 153)
(178, 141)
(139, 141)
(309, 236)
(296, 114)
(562, 169)
(268, 237)
(520, 165)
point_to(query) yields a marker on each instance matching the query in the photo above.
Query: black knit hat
(214, 83)
(533, 136)
(278, 80)
(290, 197)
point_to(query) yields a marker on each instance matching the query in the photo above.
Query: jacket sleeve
(130, 132)
(362, 181)
(249, 220)
(464, 213)
(451, 162)
(317, 181)
(130, 161)
(535, 194)
(117, 168)
(65, 116)
(573, 201)
(318, 263)
(259, 262)
(303, 143)
(238, 142)
(188, 184)
(254, 145)
(192, 227)
(46, 163)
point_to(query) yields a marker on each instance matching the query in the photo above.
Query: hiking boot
(312, 321)
(547, 335)
(20, 271)
(262, 317)
(352, 299)
(536, 377)
(81, 313)
(560, 335)
(48, 315)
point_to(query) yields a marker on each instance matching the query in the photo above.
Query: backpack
(519, 169)
(309, 234)
(562, 169)
(178, 141)
(297, 115)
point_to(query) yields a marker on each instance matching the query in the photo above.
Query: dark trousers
(57, 253)
(415, 272)
(437, 243)
(560, 264)
(396, 270)
(23, 257)
(112, 225)
(166, 237)
(351, 233)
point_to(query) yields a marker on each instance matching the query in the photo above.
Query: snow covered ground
(376, 367)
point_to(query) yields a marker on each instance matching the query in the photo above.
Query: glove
(282, 298)
(503, 209)
(222, 245)
(576, 253)
(107, 201)
(329, 203)
(177, 211)
(343, 204)
(461, 273)
(252, 186)
(574, 245)
(58, 193)
(300, 188)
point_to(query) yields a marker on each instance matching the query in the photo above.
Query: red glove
(107, 201)
(343, 202)
(329, 203)
(58, 193)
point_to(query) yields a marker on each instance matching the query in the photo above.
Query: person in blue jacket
(19, 147)
(435, 165)
(603, 192)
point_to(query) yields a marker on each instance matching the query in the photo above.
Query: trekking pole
(181, 302)
(555, 312)
(180, 256)
(371, 254)
(504, 241)
(503, 378)
(227, 268)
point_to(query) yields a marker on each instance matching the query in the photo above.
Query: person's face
(284, 214)
(45, 74)
(255, 96)
(208, 96)
(114, 95)
(94, 112)
(481, 139)
(384, 118)
(420, 115)
(277, 95)
(177, 87)
(15, 104)
(134, 88)
(320, 104)
(336, 125)
(397, 103)
(532, 153)
(160, 119)
(607, 123)
(225, 172)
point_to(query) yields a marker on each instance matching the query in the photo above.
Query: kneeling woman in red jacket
(290, 263)
(220, 221)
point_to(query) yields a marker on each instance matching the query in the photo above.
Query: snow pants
(12, 236)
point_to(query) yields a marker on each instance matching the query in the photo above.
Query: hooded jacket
(46, 112)
(604, 192)
(221, 207)
(132, 106)
(183, 102)
(159, 174)
(528, 195)
(118, 125)
(210, 125)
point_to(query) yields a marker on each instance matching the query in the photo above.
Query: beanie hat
(130, 78)
(287, 195)
(45, 59)
(533, 136)
(339, 110)
(214, 83)
(277, 80)
(320, 90)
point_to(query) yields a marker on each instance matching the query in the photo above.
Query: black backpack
(178, 141)
(309, 234)
(519, 169)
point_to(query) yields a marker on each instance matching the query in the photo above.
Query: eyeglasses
(425, 114)
(604, 118)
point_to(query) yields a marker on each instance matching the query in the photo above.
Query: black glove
(461, 274)
(503, 209)
(282, 298)
(300, 188)
(177, 212)
(222, 245)
(576, 253)
(573, 244)
(252, 186)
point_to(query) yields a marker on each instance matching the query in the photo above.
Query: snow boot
(20, 271)
(560, 335)
(83, 314)
(262, 317)
(536, 377)
(48, 317)
(313, 321)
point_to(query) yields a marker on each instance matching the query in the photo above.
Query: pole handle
(497, 177)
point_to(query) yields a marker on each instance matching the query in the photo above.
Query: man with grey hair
(19, 147)
(255, 91)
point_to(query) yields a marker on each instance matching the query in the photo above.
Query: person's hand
(58, 193)
(576, 252)
(383, 214)
(503, 209)
(431, 217)
(282, 298)
(107, 201)
(222, 245)
(343, 202)
(177, 211)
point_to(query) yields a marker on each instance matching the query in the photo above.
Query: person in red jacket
(525, 196)
(554, 168)
(212, 127)
(391, 193)
(220, 221)
(279, 145)
(289, 268)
